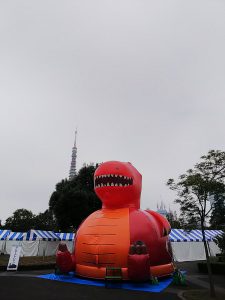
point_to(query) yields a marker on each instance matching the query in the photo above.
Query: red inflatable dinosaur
(120, 235)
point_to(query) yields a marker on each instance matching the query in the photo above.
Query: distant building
(73, 164)
(162, 209)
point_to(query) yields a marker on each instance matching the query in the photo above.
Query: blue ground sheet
(145, 286)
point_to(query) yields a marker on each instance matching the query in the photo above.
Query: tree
(193, 189)
(220, 241)
(217, 219)
(74, 200)
(173, 219)
(1, 226)
(44, 221)
(22, 220)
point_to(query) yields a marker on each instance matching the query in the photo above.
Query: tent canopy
(176, 235)
(3, 234)
(34, 235)
(180, 235)
(66, 236)
(15, 236)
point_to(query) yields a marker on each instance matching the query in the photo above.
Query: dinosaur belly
(103, 240)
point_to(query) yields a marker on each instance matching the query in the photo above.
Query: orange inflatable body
(100, 238)
(109, 236)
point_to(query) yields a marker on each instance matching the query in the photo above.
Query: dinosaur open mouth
(112, 180)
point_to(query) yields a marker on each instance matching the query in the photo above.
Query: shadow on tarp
(142, 286)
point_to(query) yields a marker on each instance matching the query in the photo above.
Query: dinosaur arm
(162, 221)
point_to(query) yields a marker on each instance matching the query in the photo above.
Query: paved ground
(24, 286)
(219, 280)
(201, 281)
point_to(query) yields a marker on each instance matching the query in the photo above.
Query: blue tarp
(142, 286)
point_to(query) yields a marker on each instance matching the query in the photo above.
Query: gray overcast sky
(144, 81)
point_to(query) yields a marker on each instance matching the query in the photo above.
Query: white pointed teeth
(113, 180)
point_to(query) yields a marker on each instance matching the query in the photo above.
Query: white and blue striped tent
(33, 242)
(180, 235)
(66, 236)
(43, 235)
(32, 235)
(12, 239)
(189, 246)
(15, 236)
(3, 234)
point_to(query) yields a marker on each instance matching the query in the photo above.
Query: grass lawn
(29, 260)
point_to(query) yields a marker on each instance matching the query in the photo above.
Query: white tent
(33, 243)
(13, 239)
(189, 246)
(3, 235)
(40, 243)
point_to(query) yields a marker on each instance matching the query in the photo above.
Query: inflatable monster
(120, 235)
